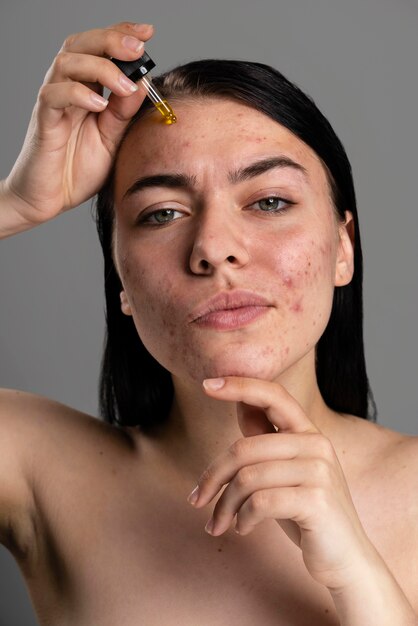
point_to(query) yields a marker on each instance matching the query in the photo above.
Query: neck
(200, 428)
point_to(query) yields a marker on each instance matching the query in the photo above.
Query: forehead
(211, 138)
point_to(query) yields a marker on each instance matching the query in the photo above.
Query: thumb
(253, 421)
(113, 121)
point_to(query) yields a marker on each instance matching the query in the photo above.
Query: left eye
(271, 203)
(162, 216)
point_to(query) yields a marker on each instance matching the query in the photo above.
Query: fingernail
(209, 526)
(132, 43)
(194, 496)
(142, 26)
(98, 100)
(127, 84)
(214, 383)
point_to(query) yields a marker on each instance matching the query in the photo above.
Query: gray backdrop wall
(359, 61)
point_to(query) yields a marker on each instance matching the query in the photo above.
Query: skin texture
(292, 259)
(176, 248)
(97, 516)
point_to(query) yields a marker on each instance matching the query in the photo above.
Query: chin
(254, 368)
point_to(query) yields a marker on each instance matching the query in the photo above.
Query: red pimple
(296, 307)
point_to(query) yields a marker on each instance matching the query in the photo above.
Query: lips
(230, 310)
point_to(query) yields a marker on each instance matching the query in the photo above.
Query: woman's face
(226, 242)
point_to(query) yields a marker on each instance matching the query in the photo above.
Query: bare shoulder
(42, 423)
(396, 450)
(37, 436)
(388, 465)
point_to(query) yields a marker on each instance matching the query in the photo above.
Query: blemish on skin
(101, 452)
(296, 307)
(219, 549)
(288, 282)
(286, 351)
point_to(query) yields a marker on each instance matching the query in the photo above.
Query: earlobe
(124, 304)
(344, 268)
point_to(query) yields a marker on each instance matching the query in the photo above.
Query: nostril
(231, 259)
(204, 264)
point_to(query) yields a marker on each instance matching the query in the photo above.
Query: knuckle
(237, 449)
(43, 94)
(257, 502)
(128, 25)
(323, 446)
(69, 41)
(320, 469)
(111, 38)
(245, 476)
(61, 60)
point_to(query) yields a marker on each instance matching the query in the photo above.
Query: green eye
(270, 204)
(164, 215)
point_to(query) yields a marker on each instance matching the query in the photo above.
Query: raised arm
(70, 123)
(56, 171)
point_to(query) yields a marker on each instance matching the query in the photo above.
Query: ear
(344, 268)
(124, 304)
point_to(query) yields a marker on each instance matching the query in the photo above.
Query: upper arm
(29, 426)
(16, 501)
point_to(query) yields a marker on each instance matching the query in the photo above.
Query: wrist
(373, 597)
(11, 219)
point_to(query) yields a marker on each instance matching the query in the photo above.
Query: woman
(234, 358)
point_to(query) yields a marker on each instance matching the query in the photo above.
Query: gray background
(358, 60)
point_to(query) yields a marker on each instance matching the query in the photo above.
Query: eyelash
(288, 203)
(146, 219)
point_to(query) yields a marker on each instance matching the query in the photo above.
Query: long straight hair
(135, 390)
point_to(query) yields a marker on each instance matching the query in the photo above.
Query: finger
(87, 68)
(143, 31)
(126, 45)
(114, 120)
(253, 421)
(279, 405)
(258, 477)
(253, 450)
(285, 503)
(53, 100)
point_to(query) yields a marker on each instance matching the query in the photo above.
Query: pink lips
(230, 310)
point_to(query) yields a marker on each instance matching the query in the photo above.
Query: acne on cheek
(309, 268)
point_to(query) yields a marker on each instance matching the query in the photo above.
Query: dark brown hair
(134, 388)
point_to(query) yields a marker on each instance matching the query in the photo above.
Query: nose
(218, 242)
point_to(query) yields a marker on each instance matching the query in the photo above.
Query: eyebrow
(260, 167)
(185, 181)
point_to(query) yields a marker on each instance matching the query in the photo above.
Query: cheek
(305, 268)
(153, 301)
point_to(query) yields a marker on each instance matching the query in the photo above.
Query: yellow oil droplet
(166, 111)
